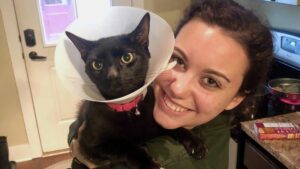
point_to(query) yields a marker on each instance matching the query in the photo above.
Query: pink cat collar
(125, 106)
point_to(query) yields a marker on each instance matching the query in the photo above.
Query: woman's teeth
(173, 106)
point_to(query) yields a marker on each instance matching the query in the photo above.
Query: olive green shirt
(171, 155)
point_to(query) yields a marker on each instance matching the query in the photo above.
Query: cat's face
(117, 65)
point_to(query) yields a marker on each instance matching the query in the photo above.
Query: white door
(54, 106)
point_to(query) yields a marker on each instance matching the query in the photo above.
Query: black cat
(112, 133)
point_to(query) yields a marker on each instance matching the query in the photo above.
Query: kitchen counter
(285, 151)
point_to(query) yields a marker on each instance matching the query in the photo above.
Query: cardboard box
(271, 131)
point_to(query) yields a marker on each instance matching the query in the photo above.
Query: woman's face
(210, 69)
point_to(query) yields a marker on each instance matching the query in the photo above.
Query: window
(55, 16)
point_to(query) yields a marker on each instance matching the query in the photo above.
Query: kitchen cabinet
(253, 156)
(252, 153)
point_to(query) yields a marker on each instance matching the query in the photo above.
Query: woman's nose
(180, 85)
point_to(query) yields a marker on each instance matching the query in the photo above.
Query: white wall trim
(22, 82)
(232, 154)
(20, 153)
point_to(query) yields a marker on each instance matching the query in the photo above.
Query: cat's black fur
(111, 137)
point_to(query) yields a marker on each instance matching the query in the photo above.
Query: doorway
(47, 107)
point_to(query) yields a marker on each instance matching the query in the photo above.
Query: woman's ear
(235, 102)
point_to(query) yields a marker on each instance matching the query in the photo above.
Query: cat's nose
(112, 72)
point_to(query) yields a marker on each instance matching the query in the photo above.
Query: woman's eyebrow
(182, 54)
(210, 71)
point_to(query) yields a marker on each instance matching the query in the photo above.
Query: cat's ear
(141, 32)
(81, 44)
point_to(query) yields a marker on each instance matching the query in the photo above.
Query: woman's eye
(97, 65)
(127, 58)
(210, 82)
(178, 59)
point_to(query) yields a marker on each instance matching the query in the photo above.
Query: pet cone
(114, 21)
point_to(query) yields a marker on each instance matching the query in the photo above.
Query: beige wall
(170, 10)
(11, 118)
(280, 16)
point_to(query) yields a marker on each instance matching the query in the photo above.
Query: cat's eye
(97, 65)
(127, 58)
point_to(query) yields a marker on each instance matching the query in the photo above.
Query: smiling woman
(205, 80)
(223, 54)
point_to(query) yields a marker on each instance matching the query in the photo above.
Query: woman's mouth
(173, 106)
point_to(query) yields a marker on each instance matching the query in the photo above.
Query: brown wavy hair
(246, 28)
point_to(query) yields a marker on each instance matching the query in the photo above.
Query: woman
(223, 54)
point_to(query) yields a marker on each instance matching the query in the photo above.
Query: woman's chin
(164, 121)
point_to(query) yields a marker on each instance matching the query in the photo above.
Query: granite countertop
(286, 151)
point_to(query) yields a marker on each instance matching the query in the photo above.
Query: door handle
(33, 56)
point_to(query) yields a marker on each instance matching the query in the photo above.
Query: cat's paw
(197, 149)
(193, 144)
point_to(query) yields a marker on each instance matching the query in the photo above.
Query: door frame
(21, 76)
(22, 81)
